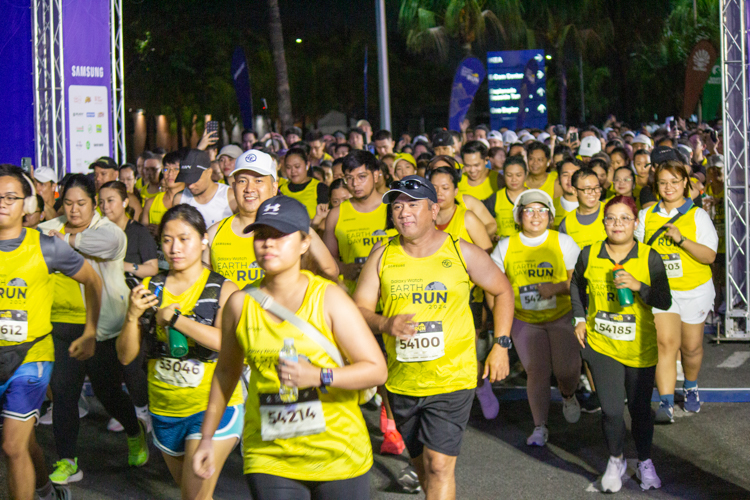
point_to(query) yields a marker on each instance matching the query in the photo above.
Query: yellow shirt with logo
(308, 196)
(549, 184)
(692, 273)
(483, 190)
(585, 235)
(436, 289)
(68, 304)
(27, 293)
(166, 399)
(560, 211)
(526, 267)
(506, 224)
(145, 195)
(233, 256)
(606, 322)
(343, 450)
(157, 209)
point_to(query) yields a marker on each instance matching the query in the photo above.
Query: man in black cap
(422, 279)
(106, 170)
(442, 143)
(214, 201)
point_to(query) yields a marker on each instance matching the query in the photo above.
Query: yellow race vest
(549, 184)
(233, 256)
(145, 195)
(457, 225)
(169, 400)
(626, 334)
(483, 190)
(526, 267)
(441, 357)
(684, 272)
(560, 211)
(26, 299)
(68, 305)
(586, 235)
(506, 224)
(308, 196)
(341, 451)
(157, 209)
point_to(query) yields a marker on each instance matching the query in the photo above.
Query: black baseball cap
(442, 138)
(192, 166)
(104, 162)
(660, 154)
(413, 186)
(282, 213)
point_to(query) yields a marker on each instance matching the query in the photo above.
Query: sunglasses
(408, 184)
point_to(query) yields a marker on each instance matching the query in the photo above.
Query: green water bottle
(624, 295)
(178, 345)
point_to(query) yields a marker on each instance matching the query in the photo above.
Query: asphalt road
(701, 456)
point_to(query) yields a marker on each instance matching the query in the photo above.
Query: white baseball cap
(590, 146)
(629, 132)
(231, 151)
(642, 139)
(532, 196)
(485, 142)
(542, 137)
(45, 174)
(509, 137)
(255, 161)
(494, 134)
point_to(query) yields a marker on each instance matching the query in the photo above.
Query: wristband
(176, 315)
(681, 242)
(326, 379)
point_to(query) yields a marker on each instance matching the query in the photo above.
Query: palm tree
(279, 58)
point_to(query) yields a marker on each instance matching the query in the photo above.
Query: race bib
(180, 373)
(14, 325)
(615, 326)
(279, 420)
(673, 265)
(532, 301)
(426, 345)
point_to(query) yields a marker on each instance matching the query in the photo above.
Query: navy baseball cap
(660, 154)
(413, 186)
(282, 213)
(192, 166)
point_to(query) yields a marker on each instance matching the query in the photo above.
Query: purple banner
(469, 75)
(86, 45)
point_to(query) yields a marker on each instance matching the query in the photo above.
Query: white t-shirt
(568, 246)
(569, 206)
(216, 209)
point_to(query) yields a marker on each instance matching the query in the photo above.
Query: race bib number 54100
(427, 344)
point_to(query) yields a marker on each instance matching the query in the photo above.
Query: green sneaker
(66, 472)
(138, 449)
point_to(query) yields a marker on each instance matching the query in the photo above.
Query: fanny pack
(12, 356)
(267, 303)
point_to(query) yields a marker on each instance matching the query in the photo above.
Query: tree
(279, 59)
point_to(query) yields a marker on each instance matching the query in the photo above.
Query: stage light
(298, 40)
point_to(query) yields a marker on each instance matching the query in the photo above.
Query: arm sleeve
(562, 229)
(59, 256)
(705, 232)
(146, 245)
(322, 193)
(498, 254)
(657, 295)
(569, 249)
(105, 241)
(640, 229)
(490, 204)
(578, 284)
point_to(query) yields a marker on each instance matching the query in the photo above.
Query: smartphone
(131, 281)
(26, 164)
(212, 126)
(573, 137)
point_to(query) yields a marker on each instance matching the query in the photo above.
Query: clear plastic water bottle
(286, 393)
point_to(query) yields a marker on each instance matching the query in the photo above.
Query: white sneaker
(46, 419)
(144, 416)
(114, 426)
(538, 437)
(647, 474)
(680, 372)
(571, 409)
(612, 478)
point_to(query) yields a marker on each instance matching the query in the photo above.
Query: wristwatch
(326, 379)
(176, 315)
(135, 267)
(504, 342)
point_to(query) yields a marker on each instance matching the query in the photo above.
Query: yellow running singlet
(233, 256)
(483, 190)
(506, 224)
(157, 209)
(585, 235)
(308, 196)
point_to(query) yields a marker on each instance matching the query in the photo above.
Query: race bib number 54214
(279, 420)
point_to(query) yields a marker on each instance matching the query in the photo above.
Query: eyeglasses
(349, 179)
(9, 199)
(531, 211)
(590, 190)
(675, 183)
(168, 170)
(626, 179)
(410, 184)
(614, 221)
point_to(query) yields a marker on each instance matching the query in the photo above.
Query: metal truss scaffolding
(49, 82)
(734, 60)
(118, 83)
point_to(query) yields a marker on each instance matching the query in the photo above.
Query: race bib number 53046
(180, 373)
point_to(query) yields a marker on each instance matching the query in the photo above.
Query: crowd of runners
(256, 295)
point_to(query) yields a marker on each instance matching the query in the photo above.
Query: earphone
(30, 204)
(125, 204)
(204, 241)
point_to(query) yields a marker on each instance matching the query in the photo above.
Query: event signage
(86, 42)
(517, 81)
(469, 75)
(241, 77)
(697, 71)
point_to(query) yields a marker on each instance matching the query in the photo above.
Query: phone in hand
(573, 137)
(26, 164)
(212, 126)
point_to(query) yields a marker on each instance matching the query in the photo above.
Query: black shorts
(268, 487)
(437, 422)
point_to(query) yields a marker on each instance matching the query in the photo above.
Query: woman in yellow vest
(155, 207)
(501, 203)
(618, 339)
(538, 155)
(308, 191)
(327, 453)
(539, 264)
(179, 383)
(584, 224)
(685, 237)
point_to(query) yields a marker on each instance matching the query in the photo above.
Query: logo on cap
(250, 158)
(272, 208)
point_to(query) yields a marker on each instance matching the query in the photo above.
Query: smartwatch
(176, 315)
(504, 342)
(135, 267)
(326, 379)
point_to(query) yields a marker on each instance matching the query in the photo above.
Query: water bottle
(286, 393)
(624, 295)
